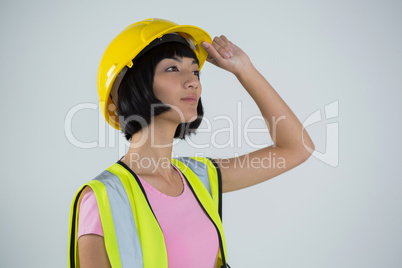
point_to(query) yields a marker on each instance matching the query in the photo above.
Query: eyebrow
(180, 60)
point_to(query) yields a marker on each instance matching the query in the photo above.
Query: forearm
(284, 127)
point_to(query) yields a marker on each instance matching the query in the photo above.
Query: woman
(149, 210)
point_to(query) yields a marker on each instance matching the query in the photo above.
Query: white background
(314, 53)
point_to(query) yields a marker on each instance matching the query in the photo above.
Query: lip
(192, 98)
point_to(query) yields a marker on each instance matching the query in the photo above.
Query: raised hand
(226, 55)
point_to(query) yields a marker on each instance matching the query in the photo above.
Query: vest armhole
(73, 229)
(218, 171)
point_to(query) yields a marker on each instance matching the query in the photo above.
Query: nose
(191, 81)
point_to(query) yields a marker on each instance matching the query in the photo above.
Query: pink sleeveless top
(190, 237)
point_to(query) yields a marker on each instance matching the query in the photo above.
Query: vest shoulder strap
(208, 172)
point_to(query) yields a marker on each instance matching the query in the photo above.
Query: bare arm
(289, 137)
(92, 252)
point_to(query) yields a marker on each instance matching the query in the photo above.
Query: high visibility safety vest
(132, 235)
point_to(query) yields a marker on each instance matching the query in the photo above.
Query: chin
(191, 118)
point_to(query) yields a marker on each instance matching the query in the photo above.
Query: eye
(172, 69)
(197, 73)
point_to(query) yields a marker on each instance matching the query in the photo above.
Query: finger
(222, 47)
(212, 52)
(225, 44)
(229, 45)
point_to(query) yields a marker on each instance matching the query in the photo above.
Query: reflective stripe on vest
(132, 235)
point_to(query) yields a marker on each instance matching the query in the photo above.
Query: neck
(150, 149)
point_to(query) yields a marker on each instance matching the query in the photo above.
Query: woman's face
(176, 83)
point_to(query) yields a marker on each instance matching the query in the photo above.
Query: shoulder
(88, 202)
(106, 183)
(204, 168)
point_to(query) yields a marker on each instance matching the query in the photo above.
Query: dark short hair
(136, 95)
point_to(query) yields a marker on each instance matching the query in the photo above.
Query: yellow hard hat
(128, 44)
